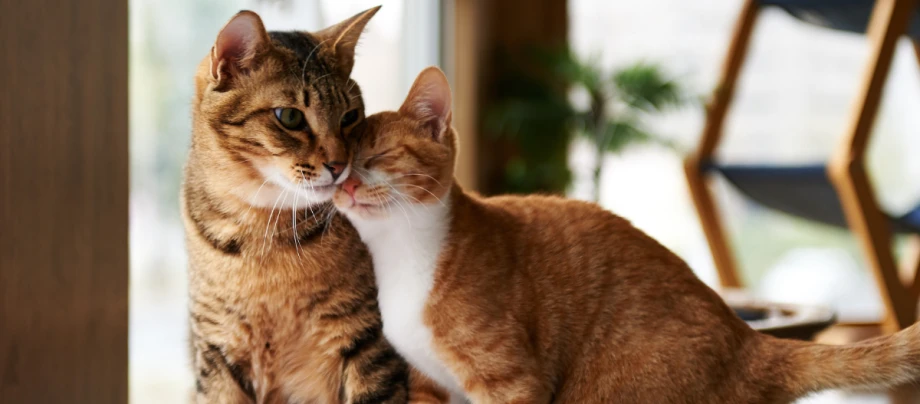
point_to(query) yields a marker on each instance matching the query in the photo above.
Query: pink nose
(350, 185)
(335, 168)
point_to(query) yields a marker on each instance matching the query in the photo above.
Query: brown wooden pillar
(64, 201)
(478, 31)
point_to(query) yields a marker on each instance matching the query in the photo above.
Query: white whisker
(423, 189)
(268, 222)
(303, 73)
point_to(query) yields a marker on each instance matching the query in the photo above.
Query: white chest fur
(405, 249)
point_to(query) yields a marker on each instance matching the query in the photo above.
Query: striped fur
(537, 299)
(283, 301)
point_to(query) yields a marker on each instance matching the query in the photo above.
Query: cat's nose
(335, 168)
(350, 185)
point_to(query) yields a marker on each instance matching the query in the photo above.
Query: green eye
(290, 118)
(349, 118)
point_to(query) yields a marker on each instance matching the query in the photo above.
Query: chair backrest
(842, 15)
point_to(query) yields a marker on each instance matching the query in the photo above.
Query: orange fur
(539, 299)
(282, 294)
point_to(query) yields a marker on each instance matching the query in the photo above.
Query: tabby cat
(283, 301)
(539, 299)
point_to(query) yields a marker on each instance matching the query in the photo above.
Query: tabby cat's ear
(342, 38)
(429, 102)
(237, 45)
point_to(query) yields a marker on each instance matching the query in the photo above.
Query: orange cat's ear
(237, 44)
(342, 38)
(429, 101)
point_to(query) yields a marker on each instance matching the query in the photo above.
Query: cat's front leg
(215, 381)
(523, 390)
(495, 367)
(373, 371)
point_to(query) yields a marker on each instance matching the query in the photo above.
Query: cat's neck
(411, 232)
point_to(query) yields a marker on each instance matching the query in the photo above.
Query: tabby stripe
(347, 99)
(361, 341)
(202, 319)
(241, 120)
(415, 155)
(236, 372)
(382, 394)
(386, 355)
(319, 94)
(318, 298)
(285, 140)
(229, 247)
(350, 308)
(395, 383)
(252, 143)
(305, 235)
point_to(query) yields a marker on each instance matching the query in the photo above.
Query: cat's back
(549, 221)
(554, 242)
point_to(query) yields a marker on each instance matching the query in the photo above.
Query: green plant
(538, 112)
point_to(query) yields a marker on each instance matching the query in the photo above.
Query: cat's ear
(237, 45)
(429, 102)
(341, 39)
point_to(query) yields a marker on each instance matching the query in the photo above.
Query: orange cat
(540, 299)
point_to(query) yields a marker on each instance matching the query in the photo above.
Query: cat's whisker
(303, 72)
(294, 225)
(405, 195)
(423, 189)
(245, 215)
(309, 205)
(278, 217)
(268, 223)
(330, 214)
(400, 206)
(271, 239)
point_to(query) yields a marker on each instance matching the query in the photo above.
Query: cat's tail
(877, 363)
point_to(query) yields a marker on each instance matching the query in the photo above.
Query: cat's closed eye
(371, 159)
(290, 118)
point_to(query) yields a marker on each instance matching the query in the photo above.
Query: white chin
(316, 194)
(364, 212)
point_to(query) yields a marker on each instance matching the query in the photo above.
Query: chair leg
(889, 20)
(712, 133)
(916, 45)
(910, 266)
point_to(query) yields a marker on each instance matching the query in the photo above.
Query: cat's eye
(290, 118)
(349, 118)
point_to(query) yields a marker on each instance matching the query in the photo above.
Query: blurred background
(596, 99)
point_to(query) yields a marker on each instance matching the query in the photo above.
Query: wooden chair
(839, 192)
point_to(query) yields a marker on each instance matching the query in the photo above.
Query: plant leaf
(645, 87)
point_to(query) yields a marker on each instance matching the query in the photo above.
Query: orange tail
(877, 363)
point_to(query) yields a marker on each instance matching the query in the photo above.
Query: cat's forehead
(387, 128)
(309, 59)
